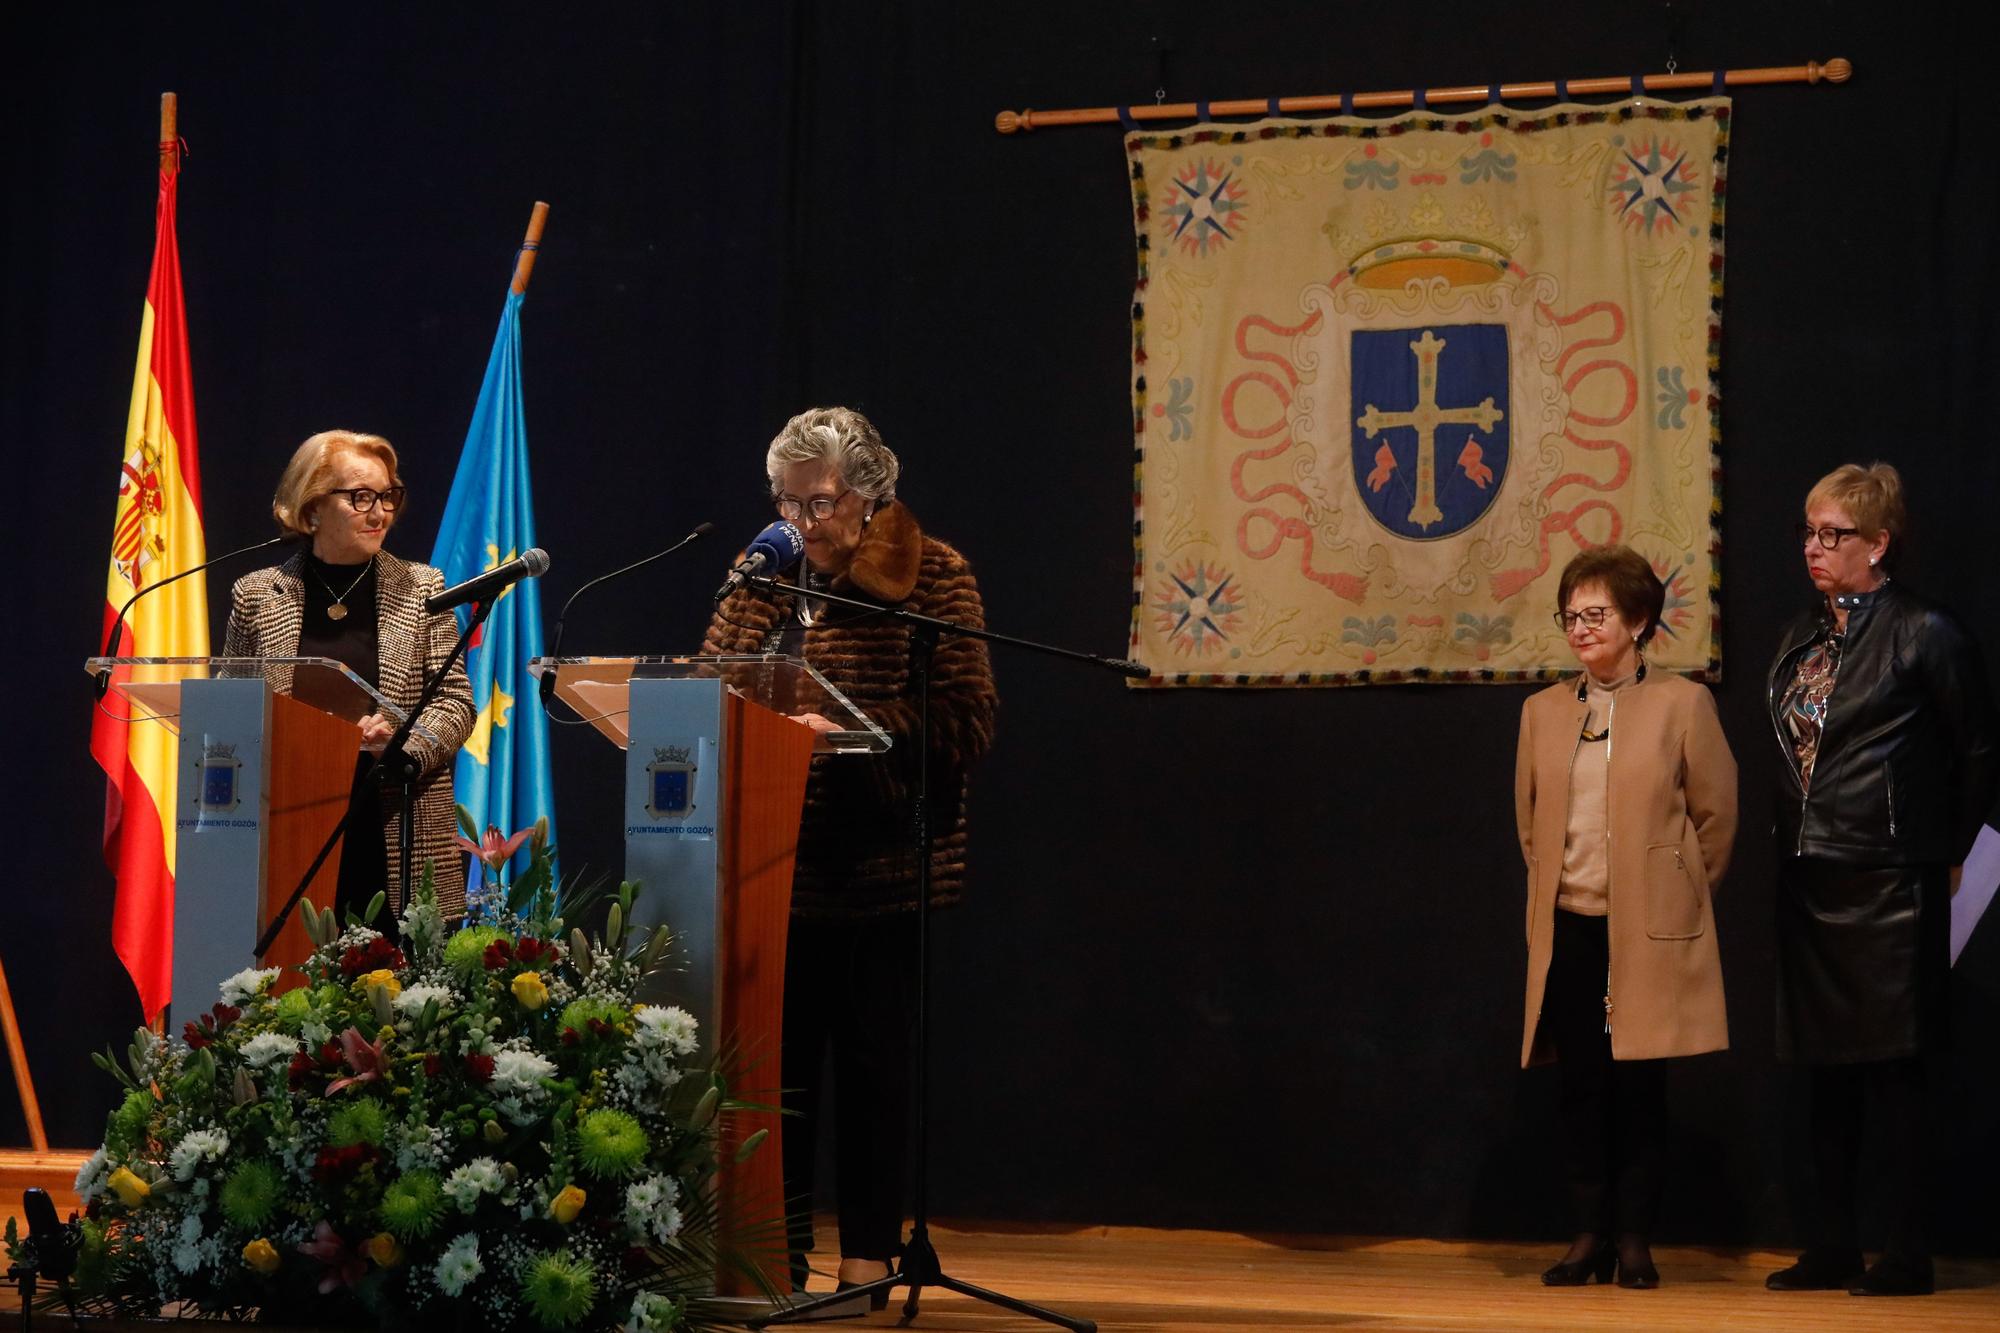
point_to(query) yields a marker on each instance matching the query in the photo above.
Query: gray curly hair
(840, 436)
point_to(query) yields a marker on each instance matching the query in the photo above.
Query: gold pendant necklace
(338, 611)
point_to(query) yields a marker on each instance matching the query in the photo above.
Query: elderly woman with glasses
(851, 951)
(1625, 800)
(1884, 720)
(345, 598)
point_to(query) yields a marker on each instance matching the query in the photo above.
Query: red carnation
(498, 955)
(479, 1068)
(302, 1064)
(195, 1037)
(373, 956)
(569, 1037)
(335, 1163)
(432, 1065)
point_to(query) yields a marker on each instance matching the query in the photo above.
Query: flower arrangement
(482, 1126)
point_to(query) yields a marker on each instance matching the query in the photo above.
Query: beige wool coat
(1671, 807)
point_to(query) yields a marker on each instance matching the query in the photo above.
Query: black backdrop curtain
(1245, 960)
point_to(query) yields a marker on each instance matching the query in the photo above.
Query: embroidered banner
(1389, 376)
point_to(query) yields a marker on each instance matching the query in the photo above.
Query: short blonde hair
(840, 436)
(1872, 497)
(308, 478)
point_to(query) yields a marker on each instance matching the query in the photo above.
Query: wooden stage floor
(1131, 1280)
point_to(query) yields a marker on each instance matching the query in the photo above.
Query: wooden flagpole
(17, 1057)
(170, 132)
(524, 263)
(1833, 71)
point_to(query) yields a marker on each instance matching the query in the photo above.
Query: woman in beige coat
(1625, 797)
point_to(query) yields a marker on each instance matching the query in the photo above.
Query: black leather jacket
(1910, 753)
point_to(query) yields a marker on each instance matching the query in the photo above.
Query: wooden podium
(266, 751)
(715, 780)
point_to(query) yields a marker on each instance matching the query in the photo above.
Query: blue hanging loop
(1418, 100)
(1201, 109)
(1562, 90)
(1638, 85)
(1493, 93)
(1125, 119)
(1347, 104)
(1271, 107)
(1721, 82)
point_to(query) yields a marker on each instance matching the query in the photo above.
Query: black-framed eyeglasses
(1829, 537)
(821, 507)
(361, 499)
(1592, 616)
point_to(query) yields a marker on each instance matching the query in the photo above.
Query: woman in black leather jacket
(1882, 709)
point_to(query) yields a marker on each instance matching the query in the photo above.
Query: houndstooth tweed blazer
(266, 614)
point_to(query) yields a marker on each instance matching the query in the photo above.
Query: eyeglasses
(364, 498)
(1828, 537)
(821, 507)
(1592, 616)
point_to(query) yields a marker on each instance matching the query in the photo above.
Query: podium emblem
(670, 782)
(219, 767)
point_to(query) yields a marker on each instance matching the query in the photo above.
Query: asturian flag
(156, 534)
(503, 774)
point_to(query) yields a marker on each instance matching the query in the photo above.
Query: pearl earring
(1871, 562)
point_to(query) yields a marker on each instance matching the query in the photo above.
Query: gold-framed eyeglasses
(1592, 617)
(361, 499)
(821, 507)
(1829, 537)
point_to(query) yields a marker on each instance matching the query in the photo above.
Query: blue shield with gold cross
(1429, 407)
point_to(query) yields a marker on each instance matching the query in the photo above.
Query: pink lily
(344, 1267)
(493, 849)
(364, 1057)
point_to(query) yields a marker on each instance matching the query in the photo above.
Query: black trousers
(1613, 1112)
(1845, 1100)
(850, 988)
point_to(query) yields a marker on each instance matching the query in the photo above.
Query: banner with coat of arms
(1390, 375)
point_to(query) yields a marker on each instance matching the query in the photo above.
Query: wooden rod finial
(170, 131)
(524, 263)
(1836, 70)
(1009, 121)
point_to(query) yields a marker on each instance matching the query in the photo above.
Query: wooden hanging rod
(1833, 71)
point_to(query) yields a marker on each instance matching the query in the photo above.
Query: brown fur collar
(889, 557)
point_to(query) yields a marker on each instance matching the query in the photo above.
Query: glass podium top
(152, 685)
(599, 689)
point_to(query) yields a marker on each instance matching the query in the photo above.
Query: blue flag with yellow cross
(503, 775)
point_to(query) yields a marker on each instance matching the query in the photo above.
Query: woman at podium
(851, 949)
(346, 598)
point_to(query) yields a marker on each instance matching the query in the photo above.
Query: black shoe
(1635, 1266)
(877, 1300)
(1600, 1263)
(1819, 1270)
(1893, 1276)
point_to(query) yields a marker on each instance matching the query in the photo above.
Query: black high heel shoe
(1635, 1266)
(1600, 1263)
(877, 1300)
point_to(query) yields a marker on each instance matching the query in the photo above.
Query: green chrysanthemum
(465, 952)
(412, 1205)
(126, 1132)
(294, 1008)
(611, 1144)
(356, 1122)
(251, 1194)
(578, 1013)
(560, 1288)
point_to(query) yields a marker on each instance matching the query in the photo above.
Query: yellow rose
(383, 1249)
(531, 990)
(383, 978)
(261, 1255)
(566, 1205)
(130, 1190)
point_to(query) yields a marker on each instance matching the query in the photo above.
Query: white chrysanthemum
(413, 999)
(268, 1048)
(459, 1264)
(520, 1073)
(667, 1027)
(199, 1146)
(90, 1177)
(651, 1313)
(247, 984)
(650, 1211)
(477, 1177)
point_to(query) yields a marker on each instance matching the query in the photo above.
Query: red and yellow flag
(157, 533)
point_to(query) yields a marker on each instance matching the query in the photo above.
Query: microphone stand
(547, 685)
(919, 1266)
(405, 773)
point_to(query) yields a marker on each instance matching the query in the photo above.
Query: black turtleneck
(350, 640)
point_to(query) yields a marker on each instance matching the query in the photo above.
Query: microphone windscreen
(536, 561)
(781, 544)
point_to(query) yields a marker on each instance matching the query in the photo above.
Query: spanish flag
(156, 533)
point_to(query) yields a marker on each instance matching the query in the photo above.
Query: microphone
(774, 550)
(118, 626)
(548, 682)
(531, 563)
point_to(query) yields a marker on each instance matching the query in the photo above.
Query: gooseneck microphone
(531, 563)
(118, 626)
(547, 685)
(773, 551)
